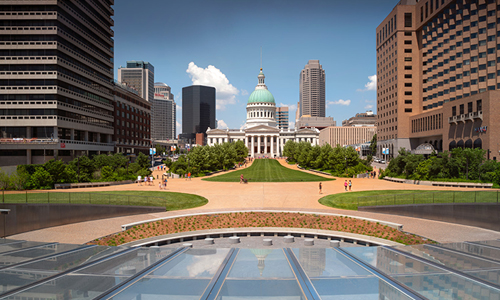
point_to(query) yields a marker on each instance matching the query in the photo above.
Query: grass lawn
(171, 200)
(351, 200)
(267, 170)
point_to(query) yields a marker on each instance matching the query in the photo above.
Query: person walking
(241, 178)
(320, 188)
(350, 185)
(345, 185)
(166, 181)
(189, 176)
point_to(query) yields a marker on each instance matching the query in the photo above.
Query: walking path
(287, 196)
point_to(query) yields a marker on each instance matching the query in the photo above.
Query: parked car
(382, 161)
(376, 160)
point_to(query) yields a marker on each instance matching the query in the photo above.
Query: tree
(143, 161)
(55, 169)
(289, 150)
(19, 179)
(373, 145)
(4, 180)
(41, 179)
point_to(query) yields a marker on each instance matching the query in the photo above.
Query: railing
(80, 198)
(28, 141)
(430, 198)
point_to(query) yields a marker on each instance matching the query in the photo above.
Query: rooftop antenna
(261, 58)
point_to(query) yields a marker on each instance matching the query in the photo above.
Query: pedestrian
(320, 188)
(166, 181)
(345, 185)
(159, 185)
(350, 185)
(139, 180)
(189, 176)
(241, 178)
(152, 180)
(145, 180)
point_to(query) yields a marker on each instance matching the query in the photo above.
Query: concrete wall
(482, 215)
(28, 217)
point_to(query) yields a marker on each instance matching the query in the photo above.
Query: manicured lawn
(171, 200)
(267, 170)
(351, 200)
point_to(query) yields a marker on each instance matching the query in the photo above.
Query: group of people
(163, 184)
(372, 174)
(148, 180)
(347, 184)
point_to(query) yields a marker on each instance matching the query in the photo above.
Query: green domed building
(260, 133)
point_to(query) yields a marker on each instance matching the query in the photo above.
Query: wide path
(292, 196)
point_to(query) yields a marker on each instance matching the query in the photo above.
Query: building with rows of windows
(438, 76)
(56, 73)
(261, 133)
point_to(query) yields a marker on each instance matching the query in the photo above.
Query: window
(408, 68)
(408, 110)
(469, 107)
(454, 111)
(479, 105)
(408, 93)
(462, 109)
(407, 42)
(407, 58)
(408, 21)
(407, 33)
(407, 75)
(408, 101)
(407, 84)
(407, 50)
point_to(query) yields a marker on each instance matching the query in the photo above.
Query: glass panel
(260, 288)
(475, 249)
(28, 254)
(129, 263)
(326, 262)
(448, 286)
(185, 277)
(448, 258)
(71, 287)
(494, 243)
(357, 289)
(258, 263)
(153, 288)
(13, 278)
(194, 263)
(8, 241)
(390, 262)
(18, 246)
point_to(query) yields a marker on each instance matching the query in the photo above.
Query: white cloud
(211, 76)
(178, 107)
(369, 106)
(369, 101)
(338, 102)
(244, 92)
(291, 124)
(370, 85)
(221, 124)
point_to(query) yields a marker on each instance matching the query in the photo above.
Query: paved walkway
(296, 196)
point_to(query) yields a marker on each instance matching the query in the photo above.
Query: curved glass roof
(469, 270)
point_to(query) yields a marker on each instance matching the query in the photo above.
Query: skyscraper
(282, 117)
(56, 82)
(163, 118)
(437, 77)
(198, 110)
(312, 90)
(139, 75)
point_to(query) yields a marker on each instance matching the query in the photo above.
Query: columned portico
(260, 133)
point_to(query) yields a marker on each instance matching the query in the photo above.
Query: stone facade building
(260, 133)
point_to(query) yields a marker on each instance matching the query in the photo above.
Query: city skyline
(220, 46)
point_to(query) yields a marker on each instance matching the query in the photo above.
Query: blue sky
(218, 43)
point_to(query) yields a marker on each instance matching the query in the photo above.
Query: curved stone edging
(252, 231)
(390, 224)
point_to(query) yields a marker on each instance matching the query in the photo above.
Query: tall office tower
(163, 118)
(282, 117)
(56, 78)
(437, 69)
(312, 90)
(198, 110)
(139, 75)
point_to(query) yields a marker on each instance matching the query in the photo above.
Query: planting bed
(260, 219)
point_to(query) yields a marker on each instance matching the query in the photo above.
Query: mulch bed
(260, 219)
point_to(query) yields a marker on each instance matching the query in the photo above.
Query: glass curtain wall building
(469, 270)
(198, 110)
(56, 77)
